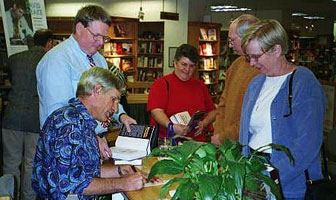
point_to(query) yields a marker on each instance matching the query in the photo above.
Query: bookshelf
(150, 51)
(206, 37)
(121, 49)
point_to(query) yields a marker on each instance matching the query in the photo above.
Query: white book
(136, 162)
(185, 119)
(129, 148)
(180, 118)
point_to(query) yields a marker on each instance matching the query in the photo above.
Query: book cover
(212, 34)
(185, 119)
(203, 34)
(141, 131)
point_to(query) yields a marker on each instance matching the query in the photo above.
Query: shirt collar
(75, 102)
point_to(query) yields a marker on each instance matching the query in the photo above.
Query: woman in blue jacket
(283, 105)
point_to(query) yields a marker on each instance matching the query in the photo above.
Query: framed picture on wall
(172, 51)
(330, 91)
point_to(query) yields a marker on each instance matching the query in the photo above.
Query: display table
(149, 192)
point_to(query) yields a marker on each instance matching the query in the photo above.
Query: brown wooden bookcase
(150, 51)
(121, 49)
(206, 38)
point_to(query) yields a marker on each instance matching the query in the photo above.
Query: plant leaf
(209, 186)
(274, 187)
(280, 148)
(165, 188)
(186, 190)
(165, 167)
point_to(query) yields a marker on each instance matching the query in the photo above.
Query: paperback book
(135, 144)
(185, 119)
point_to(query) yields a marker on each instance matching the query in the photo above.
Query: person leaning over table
(59, 70)
(283, 105)
(239, 74)
(67, 158)
(178, 92)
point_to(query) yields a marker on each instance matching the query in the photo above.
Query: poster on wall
(21, 18)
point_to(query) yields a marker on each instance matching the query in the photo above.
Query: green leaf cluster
(213, 172)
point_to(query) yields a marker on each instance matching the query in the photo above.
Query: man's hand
(134, 181)
(127, 120)
(104, 150)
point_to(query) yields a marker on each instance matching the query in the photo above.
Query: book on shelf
(203, 33)
(212, 34)
(120, 30)
(135, 144)
(184, 118)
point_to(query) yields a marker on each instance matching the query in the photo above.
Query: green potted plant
(213, 172)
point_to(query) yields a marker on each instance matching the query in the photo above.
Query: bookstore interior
(144, 35)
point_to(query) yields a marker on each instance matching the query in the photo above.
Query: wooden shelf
(150, 51)
(207, 70)
(149, 68)
(149, 40)
(151, 54)
(208, 40)
(203, 41)
(118, 56)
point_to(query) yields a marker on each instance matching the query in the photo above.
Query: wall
(175, 32)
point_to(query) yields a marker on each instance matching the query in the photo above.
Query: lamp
(141, 14)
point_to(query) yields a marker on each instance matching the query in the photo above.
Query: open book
(185, 119)
(135, 144)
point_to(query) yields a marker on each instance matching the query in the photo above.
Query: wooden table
(152, 192)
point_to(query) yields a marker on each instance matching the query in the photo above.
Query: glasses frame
(96, 37)
(232, 40)
(185, 65)
(255, 57)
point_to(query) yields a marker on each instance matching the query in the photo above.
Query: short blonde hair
(268, 33)
(97, 76)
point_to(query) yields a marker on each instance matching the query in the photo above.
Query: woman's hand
(181, 129)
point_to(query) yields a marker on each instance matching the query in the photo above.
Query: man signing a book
(178, 92)
(67, 159)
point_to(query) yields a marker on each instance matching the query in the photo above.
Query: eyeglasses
(185, 65)
(231, 40)
(115, 100)
(97, 37)
(255, 57)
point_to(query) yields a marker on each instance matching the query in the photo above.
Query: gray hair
(243, 22)
(268, 33)
(90, 13)
(97, 76)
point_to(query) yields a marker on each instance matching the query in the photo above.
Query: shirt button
(274, 118)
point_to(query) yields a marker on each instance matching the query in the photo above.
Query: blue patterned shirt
(67, 154)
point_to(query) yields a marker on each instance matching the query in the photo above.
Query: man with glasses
(59, 70)
(237, 79)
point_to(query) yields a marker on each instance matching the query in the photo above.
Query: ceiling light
(298, 14)
(227, 8)
(313, 17)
